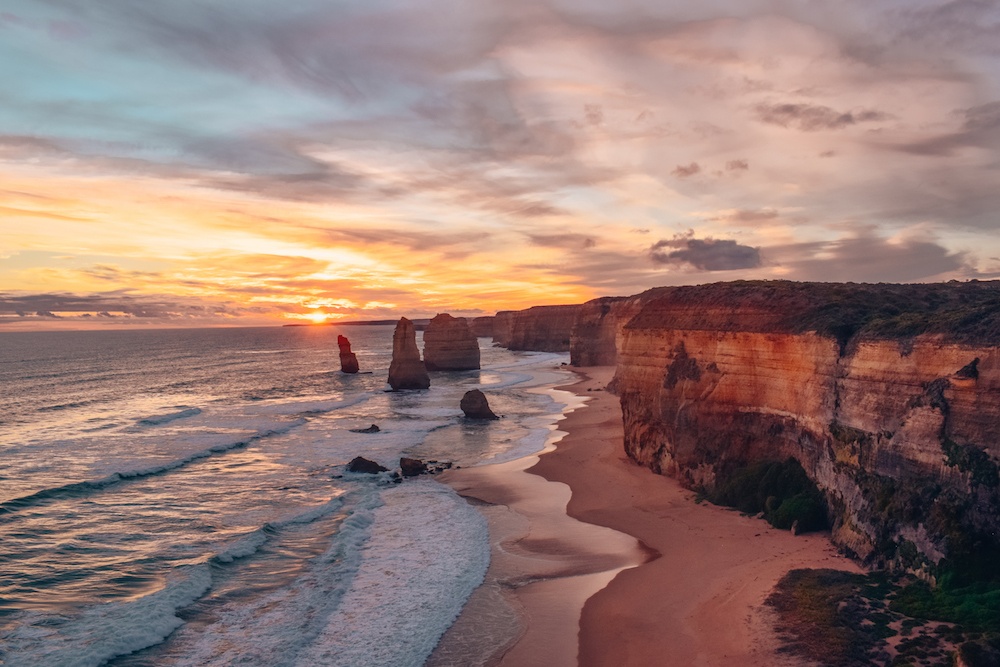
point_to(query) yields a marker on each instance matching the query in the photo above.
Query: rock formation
(348, 360)
(449, 345)
(482, 326)
(406, 371)
(888, 396)
(363, 465)
(597, 329)
(412, 467)
(475, 405)
(369, 429)
(541, 328)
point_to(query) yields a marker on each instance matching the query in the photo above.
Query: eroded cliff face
(901, 433)
(450, 345)
(540, 328)
(597, 330)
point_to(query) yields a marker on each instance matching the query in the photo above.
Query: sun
(317, 317)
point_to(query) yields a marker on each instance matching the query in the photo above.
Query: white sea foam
(428, 551)
(104, 631)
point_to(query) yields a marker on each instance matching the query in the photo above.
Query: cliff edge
(887, 395)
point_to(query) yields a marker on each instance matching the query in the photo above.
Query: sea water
(179, 497)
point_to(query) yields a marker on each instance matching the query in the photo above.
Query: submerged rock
(450, 345)
(412, 467)
(348, 360)
(475, 405)
(406, 371)
(361, 464)
(371, 429)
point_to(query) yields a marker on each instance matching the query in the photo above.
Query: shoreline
(672, 582)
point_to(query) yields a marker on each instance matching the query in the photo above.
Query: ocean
(179, 497)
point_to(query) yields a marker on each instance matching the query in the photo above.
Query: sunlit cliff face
(189, 164)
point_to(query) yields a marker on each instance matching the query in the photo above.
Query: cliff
(541, 328)
(449, 344)
(887, 395)
(406, 370)
(597, 330)
(482, 326)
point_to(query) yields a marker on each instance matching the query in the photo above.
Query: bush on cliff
(779, 489)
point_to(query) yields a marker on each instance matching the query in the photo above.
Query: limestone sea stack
(406, 371)
(475, 405)
(450, 345)
(348, 360)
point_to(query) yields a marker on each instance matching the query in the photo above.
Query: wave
(84, 488)
(105, 631)
(157, 420)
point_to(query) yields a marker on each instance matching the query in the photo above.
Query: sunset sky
(204, 162)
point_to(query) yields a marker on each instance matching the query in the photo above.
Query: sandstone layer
(482, 326)
(888, 395)
(406, 371)
(540, 328)
(348, 360)
(597, 329)
(449, 344)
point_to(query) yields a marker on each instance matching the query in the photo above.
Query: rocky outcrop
(406, 371)
(348, 360)
(367, 466)
(541, 328)
(475, 405)
(412, 467)
(888, 395)
(597, 330)
(449, 345)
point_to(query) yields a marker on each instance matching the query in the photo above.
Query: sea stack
(406, 371)
(348, 360)
(450, 345)
(475, 405)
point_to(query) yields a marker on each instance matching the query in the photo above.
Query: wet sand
(600, 562)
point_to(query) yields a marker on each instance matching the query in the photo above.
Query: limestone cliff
(597, 329)
(406, 370)
(482, 326)
(449, 344)
(888, 395)
(540, 328)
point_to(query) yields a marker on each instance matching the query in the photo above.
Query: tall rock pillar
(406, 371)
(348, 360)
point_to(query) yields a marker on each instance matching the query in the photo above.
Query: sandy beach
(600, 562)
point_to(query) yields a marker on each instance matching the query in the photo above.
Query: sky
(229, 162)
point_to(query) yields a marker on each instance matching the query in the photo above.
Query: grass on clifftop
(963, 311)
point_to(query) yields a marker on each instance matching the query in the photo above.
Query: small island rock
(361, 464)
(406, 371)
(412, 467)
(348, 360)
(450, 345)
(475, 405)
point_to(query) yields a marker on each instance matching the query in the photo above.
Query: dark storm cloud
(814, 118)
(705, 254)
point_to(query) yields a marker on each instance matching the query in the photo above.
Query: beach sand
(600, 562)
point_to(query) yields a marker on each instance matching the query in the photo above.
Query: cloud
(866, 256)
(705, 254)
(980, 127)
(575, 241)
(814, 118)
(737, 165)
(685, 171)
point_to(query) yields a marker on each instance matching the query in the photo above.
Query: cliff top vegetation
(967, 312)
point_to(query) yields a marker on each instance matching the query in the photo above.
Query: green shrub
(779, 489)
